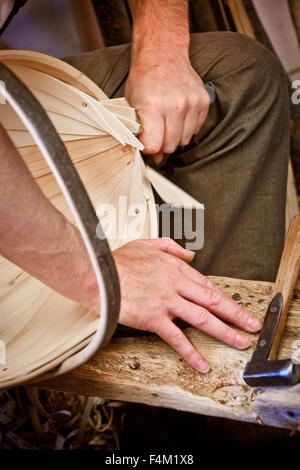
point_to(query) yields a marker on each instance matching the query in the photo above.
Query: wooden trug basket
(44, 333)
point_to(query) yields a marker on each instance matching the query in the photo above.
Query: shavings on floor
(35, 419)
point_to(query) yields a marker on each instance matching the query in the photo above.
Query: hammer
(264, 369)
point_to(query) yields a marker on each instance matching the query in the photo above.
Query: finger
(173, 131)
(198, 277)
(217, 302)
(203, 112)
(195, 117)
(179, 342)
(189, 126)
(158, 157)
(201, 120)
(153, 130)
(205, 321)
(170, 246)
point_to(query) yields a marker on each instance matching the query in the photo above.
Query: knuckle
(214, 298)
(174, 305)
(172, 260)
(202, 319)
(165, 297)
(167, 240)
(167, 275)
(194, 101)
(176, 339)
(230, 336)
(243, 319)
(180, 103)
(150, 320)
(170, 277)
(181, 266)
(152, 103)
(241, 316)
(168, 243)
(206, 101)
(207, 283)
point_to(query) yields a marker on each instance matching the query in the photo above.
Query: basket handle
(54, 151)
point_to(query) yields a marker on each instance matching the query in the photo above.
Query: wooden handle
(286, 277)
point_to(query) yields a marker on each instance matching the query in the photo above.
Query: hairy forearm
(160, 28)
(37, 237)
(167, 93)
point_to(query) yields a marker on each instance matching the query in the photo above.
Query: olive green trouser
(237, 165)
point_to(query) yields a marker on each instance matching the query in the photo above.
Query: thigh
(107, 67)
(237, 164)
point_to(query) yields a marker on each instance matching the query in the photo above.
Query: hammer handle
(286, 278)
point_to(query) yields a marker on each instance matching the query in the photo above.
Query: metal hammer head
(261, 372)
(266, 373)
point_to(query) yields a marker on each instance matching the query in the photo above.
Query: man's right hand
(157, 286)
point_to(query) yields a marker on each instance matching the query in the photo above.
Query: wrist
(153, 50)
(85, 281)
(150, 55)
(160, 31)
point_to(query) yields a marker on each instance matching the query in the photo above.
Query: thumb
(170, 246)
(153, 130)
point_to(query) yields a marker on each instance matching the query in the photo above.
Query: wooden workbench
(146, 370)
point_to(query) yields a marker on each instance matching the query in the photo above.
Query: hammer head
(261, 372)
(264, 373)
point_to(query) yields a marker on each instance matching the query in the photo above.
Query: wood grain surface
(146, 370)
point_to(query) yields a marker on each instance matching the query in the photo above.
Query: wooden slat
(87, 25)
(240, 17)
(146, 370)
(49, 65)
(292, 203)
(286, 278)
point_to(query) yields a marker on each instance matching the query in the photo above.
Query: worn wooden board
(146, 370)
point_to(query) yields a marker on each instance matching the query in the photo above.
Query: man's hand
(170, 100)
(169, 96)
(157, 285)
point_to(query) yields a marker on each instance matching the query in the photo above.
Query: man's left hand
(170, 100)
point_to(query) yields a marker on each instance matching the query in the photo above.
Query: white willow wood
(42, 329)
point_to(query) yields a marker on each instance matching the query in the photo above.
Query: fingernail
(242, 341)
(203, 367)
(254, 324)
